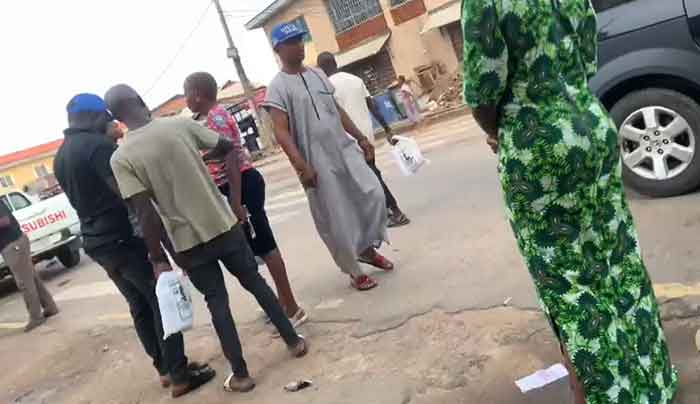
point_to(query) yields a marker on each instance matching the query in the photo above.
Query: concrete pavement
(435, 331)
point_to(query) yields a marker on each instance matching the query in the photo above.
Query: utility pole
(248, 90)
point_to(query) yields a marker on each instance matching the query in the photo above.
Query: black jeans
(391, 202)
(208, 279)
(253, 197)
(127, 264)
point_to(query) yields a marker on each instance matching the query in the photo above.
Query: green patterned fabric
(560, 171)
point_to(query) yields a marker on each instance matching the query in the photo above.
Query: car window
(602, 5)
(18, 201)
(6, 202)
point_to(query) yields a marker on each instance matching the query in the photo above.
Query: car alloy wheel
(657, 143)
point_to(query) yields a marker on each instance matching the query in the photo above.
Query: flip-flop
(298, 319)
(242, 386)
(363, 283)
(379, 261)
(398, 221)
(300, 349)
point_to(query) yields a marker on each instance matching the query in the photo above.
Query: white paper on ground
(542, 378)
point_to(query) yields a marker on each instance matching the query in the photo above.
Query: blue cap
(284, 32)
(86, 103)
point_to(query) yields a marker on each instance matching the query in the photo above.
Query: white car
(52, 226)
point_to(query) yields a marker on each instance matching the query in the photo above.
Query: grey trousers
(18, 257)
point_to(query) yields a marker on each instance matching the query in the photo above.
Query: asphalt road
(457, 256)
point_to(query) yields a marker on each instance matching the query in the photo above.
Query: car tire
(69, 257)
(686, 180)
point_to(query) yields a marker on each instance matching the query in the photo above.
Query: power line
(179, 50)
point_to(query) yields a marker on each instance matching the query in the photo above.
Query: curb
(398, 128)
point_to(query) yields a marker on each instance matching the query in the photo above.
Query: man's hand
(492, 141)
(160, 267)
(390, 136)
(240, 211)
(367, 148)
(308, 177)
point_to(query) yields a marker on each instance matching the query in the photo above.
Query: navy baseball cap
(86, 103)
(284, 32)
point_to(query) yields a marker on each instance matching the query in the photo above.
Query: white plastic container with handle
(175, 302)
(408, 156)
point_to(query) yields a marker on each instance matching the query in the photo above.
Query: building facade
(377, 40)
(29, 169)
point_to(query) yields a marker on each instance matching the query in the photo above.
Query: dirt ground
(434, 332)
(467, 357)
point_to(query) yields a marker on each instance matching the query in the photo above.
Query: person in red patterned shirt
(201, 93)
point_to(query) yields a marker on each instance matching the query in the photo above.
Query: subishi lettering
(44, 221)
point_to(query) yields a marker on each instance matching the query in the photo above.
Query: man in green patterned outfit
(527, 63)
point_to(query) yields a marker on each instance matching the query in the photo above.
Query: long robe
(348, 205)
(559, 165)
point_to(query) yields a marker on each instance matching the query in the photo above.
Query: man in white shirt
(353, 96)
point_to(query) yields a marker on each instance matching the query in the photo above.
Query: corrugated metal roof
(442, 16)
(264, 16)
(363, 51)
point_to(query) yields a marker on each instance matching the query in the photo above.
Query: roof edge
(267, 13)
(164, 103)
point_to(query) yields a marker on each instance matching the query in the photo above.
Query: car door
(692, 7)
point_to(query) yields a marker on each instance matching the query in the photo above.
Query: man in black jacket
(83, 171)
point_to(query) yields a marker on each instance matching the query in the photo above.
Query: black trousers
(127, 264)
(391, 202)
(253, 197)
(207, 278)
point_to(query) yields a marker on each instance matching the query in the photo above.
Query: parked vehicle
(649, 79)
(52, 226)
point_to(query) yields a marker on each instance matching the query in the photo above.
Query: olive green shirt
(164, 159)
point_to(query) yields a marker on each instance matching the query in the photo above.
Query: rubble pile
(450, 94)
(447, 92)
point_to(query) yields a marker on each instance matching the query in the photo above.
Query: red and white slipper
(363, 283)
(380, 262)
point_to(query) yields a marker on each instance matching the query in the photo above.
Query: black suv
(649, 79)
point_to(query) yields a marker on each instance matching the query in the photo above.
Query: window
(346, 14)
(395, 3)
(601, 5)
(18, 201)
(6, 181)
(301, 23)
(41, 171)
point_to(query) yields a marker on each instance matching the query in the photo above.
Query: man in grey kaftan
(347, 204)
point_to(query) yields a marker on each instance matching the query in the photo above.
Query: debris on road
(296, 386)
(448, 91)
(542, 378)
(105, 348)
(507, 301)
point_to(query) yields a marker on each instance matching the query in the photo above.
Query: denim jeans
(208, 279)
(127, 264)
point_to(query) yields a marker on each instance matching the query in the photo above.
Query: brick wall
(408, 11)
(366, 30)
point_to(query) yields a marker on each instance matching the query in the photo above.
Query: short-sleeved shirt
(83, 170)
(351, 94)
(10, 233)
(220, 121)
(164, 159)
